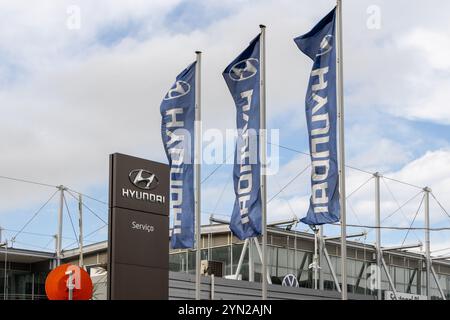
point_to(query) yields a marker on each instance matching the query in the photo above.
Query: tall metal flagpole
(377, 176)
(340, 102)
(60, 226)
(5, 276)
(262, 108)
(321, 258)
(315, 259)
(80, 225)
(427, 241)
(198, 157)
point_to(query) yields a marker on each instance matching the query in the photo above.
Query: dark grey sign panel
(140, 238)
(138, 244)
(139, 184)
(140, 283)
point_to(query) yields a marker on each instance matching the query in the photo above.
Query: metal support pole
(353, 235)
(70, 285)
(251, 265)
(212, 287)
(403, 247)
(340, 100)
(262, 100)
(438, 284)
(427, 241)
(321, 259)
(377, 177)
(241, 259)
(32, 286)
(391, 282)
(314, 264)
(258, 248)
(446, 257)
(419, 277)
(198, 159)
(231, 252)
(295, 253)
(330, 265)
(80, 225)
(60, 226)
(5, 276)
(55, 261)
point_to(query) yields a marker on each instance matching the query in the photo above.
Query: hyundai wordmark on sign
(138, 253)
(318, 44)
(242, 77)
(177, 131)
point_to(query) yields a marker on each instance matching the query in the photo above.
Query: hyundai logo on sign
(325, 45)
(143, 179)
(244, 69)
(290, 281)
(179, 89)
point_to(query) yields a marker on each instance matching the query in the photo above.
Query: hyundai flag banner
(321, 112)
(177, 130)
(242, 78)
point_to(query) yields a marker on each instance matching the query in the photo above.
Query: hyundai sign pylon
(138, 241)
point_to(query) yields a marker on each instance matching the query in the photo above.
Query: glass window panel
(282, 272)
(282, 258)
(400, 275)
(300, 257)
(177, 262)
(291, 255)
(191, 262)
(336, 262)
(237, 250)
(325, 267)
(271, 256)
(358, 266)
(351, 268)
(222, 254)
(204, 254)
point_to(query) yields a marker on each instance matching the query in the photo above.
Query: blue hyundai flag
(242, 77)
(177, 130)
(321, 112)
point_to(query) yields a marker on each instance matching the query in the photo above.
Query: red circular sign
(57, 283)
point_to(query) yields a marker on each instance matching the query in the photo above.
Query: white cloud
(432, 45)
(382, 155)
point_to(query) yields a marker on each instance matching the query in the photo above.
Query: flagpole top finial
(198, 52)
(262, 26)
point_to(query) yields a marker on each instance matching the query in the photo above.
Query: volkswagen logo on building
(179, 89)
(290, 281)
(244, 69)
(325, 45)
(143, 179)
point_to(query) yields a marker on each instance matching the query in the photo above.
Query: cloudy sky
(82, 79)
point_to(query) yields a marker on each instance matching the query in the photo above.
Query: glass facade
(286, 254)
(286, 260)
(21, 284)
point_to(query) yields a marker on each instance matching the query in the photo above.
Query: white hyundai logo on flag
(244, 69)
(179, 89)
(325, 45)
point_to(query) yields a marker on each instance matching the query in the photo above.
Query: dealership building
(290, 257)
